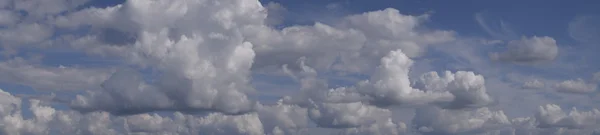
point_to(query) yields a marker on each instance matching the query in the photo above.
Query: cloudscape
(299, 67)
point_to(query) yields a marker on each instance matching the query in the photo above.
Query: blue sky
(529, 52)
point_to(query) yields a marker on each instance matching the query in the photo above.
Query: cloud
(528, 51)
(48, 120)
(8, 103)
(352, 44)
(578, 86)
(468, 88)
(382, 128)
(346, 115)
(596, 77)
(27, 72)
(276, 13)
(202, 67)
(533, 84)
(440, 121)
(282, 119)
(584, 29)
(504, 32)
(553, 116)
(186, 67)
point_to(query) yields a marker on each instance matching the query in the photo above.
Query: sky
(289, 67)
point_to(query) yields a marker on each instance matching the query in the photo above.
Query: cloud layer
(187, 67)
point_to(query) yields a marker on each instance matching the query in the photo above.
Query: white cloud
(578, 86)
(204, 63)
(48, 120)
(441, 121)
(202, 55)
(553, 116)
(468, 88)
(8, 103)
(39, 77)
(390, 83)
(528, 50)
(346, 115)
(353, 44)
(283, 119)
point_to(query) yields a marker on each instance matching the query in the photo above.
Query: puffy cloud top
(186, 67)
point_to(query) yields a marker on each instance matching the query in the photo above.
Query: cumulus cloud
(353, 44)
(48, 120)
(282, 119)
(204, 63)
(346, 115)
(553, 116)
(441, 121)
(528, 50)
(201, 56)
(390, 86)
(578, 86)
(467, 88)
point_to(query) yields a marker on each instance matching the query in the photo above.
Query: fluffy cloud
(204, 63)
(528, 50)
(578, 86)
(467, 88)
(283, 119)
(188, 65)
(346, 115)
(553, 116)
(353, 44)
(48, 120)
(390, 84)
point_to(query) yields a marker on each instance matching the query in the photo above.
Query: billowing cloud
(353, 44)
(185, 67)
(390, 85)
(528, 50)
(553, 116)
(204, 63)
(283, 119)
(48, 120)
(468, 88)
